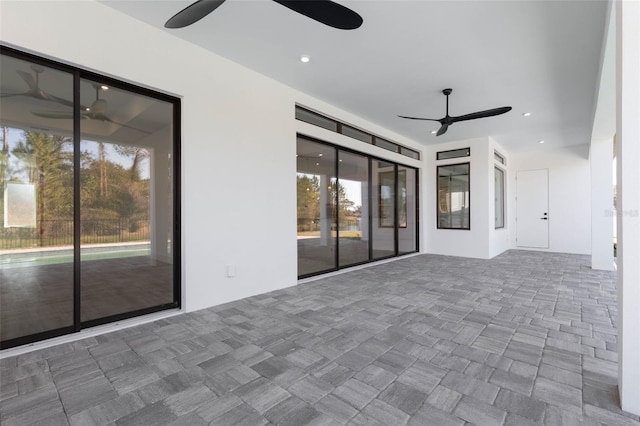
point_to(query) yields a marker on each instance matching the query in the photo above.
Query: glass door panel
(316, 185)
(126, 201)
(353, 214)
(36, 195)
(384, 212)
(407, 199)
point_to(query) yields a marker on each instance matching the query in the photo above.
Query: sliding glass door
(384, 209)
(88, 178)
(353, 215)
(125, 197)
(406, 200)
(36, 193)
(352, 208)
(316, 183)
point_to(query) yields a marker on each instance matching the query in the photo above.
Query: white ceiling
(538, 56)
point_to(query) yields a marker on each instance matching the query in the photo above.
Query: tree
(138, 154)
(112, 194)
(4, 163)
(308, 189)
(102, 163)
(48, 164)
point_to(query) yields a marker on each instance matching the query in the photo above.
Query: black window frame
(340, 126)
(468, 163)
(504, 204)
(78, 74)
(371, 158)
(467, 154)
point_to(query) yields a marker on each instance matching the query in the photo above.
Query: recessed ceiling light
(103, 87)
(540, 141)
(320, 155)
(305, 58)
(433, 132)
(526, 114)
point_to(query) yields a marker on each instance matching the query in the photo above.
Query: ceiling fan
(323, 11)
(97, 111)
(447, 120)
(34, 87)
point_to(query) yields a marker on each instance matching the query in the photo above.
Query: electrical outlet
(231, 271)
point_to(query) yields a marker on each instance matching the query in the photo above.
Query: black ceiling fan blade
(481, 114)
(193, 13)
(443, 129)
(325, 11)
(419, 118)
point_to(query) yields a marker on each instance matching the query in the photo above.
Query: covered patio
(524, 338)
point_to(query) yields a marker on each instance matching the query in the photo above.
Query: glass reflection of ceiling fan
(33, 81)
(97, 111)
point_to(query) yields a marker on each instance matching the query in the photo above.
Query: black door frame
(79, 74)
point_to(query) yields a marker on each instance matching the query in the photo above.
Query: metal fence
(52, 233)
(313, 225)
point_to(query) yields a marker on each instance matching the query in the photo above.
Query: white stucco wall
(628, 170)
(602, 211)
(238, 140)
(498, 238)
(569, 196)
(459, 242)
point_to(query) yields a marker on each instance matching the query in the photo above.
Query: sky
(16, 135)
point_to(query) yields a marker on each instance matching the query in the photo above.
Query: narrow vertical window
(499, 197)
(453, 197)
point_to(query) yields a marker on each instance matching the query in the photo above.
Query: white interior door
(532, 214)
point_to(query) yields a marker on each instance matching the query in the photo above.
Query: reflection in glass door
(316, 184)
(353, 214)
(36, 201)
(125, 194)
(352, 208)
(384, 209)
(407, 225)
(88, 200)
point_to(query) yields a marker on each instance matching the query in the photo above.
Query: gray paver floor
(525, 338)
